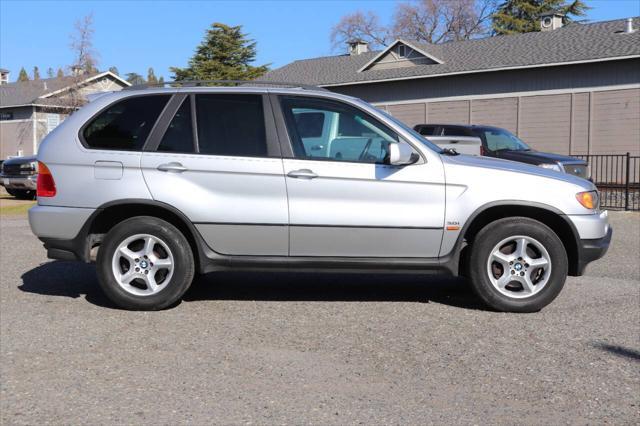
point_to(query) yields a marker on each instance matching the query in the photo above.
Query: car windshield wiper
(449, 151)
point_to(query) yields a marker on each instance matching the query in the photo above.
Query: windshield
(501, 140)
(417, 135)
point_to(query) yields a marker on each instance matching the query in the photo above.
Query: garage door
(450, 112)
(410, 114)
(496, 112)
(616, 122)
(545, 122)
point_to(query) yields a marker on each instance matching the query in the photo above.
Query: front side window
(231, 125)
(125, 125)
(342, 132)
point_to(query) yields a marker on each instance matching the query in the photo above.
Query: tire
(529, 284)
(123, 278)
(22, 194)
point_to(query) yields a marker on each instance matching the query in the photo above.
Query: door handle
(172, 167)
(302, 174)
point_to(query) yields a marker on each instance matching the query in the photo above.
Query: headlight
(552, 166)
(589, 199)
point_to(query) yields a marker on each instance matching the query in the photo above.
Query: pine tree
(151, 77)
(49, 72)
(114, 70)
(36, 73)
(523, 16)
(224, 54)
(134, 78)
(60, 73)
(23, 76)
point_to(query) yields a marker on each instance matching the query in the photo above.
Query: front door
(219, 163)
(344, 199)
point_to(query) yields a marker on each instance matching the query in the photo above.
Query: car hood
(20, 160)
(536, 157)
(513, 166)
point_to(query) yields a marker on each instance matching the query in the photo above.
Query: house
(29, 110)
(572, 89)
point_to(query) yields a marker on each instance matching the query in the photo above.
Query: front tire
(517, 265)
(145, 263)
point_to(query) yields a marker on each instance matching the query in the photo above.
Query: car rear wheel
(145, 263)
(22, 194)
(517, 265)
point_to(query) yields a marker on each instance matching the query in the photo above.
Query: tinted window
(348, 134)
(456, 131)
(125, 125)
(179, 135)
(310, 124)
(231, 125)
(427, 130)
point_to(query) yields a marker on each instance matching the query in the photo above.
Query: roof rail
(200, 83)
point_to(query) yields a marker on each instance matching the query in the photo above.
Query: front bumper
(28, 183)
(590, 250)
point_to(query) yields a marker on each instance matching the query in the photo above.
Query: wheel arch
(548, 215)
(112, 213)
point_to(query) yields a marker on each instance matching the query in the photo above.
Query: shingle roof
(572, 43)
(32, 91)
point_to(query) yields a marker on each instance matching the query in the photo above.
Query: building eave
(417, 77)
(87, 81)
(391, 46)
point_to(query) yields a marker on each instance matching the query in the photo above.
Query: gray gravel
(329, 349)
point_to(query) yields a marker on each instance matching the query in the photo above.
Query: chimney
(357, 47)
(551, 21)
(629, 28)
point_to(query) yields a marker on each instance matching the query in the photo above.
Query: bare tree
(427, 21)
(86, 58)
(360, 26)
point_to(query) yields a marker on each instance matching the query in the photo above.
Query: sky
(136, 35)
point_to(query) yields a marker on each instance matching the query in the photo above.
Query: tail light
(46, 186)
(483, 150)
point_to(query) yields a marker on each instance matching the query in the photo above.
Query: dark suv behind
(500, 143)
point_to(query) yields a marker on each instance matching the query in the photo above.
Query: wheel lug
(511, 263)
(513, 272)
(518, 258)
(137, 260)
(145, 256)
(150, 263)
(137, 269)
(522, 274)
(146, 272)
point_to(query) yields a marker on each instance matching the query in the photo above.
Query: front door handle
(302, 174)
(172, 167)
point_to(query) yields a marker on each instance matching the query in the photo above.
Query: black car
(500, 143)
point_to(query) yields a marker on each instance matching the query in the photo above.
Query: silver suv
(158, 184)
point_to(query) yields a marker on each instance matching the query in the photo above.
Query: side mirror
(402, 154)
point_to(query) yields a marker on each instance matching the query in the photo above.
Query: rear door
(215, 157)
(349, 202)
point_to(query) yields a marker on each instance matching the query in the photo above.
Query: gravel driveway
(316, 349)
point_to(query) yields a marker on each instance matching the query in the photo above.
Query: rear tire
(517, 265)
(145, 263)
(21, 194)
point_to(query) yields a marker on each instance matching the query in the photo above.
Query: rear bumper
(25, 183)
(593, 249)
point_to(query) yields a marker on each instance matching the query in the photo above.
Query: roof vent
(551, 21)
(629, 28)
(357, 47)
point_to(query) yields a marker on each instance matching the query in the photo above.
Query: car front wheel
(517, 265)
(145, 263)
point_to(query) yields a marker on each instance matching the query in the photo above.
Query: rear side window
(125, 125)
(456, 131)
(427, 130)
(179, 135)
(231, 125)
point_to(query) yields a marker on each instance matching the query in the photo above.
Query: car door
(215, 157)
(350, 202)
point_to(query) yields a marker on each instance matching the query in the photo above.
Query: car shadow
(75, 279)
(619, 351)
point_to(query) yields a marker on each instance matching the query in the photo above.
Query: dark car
(500, 143)
(19, 176)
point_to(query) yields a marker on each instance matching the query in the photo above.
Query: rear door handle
(172, 167)
(302, 174)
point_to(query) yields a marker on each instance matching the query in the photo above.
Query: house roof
(39, 92)
(573, 43)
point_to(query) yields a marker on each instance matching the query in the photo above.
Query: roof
(573, 43)
(2, 70)
(38, 92)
